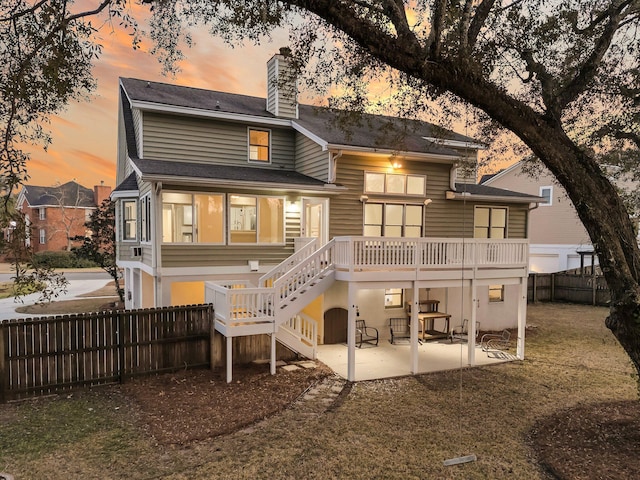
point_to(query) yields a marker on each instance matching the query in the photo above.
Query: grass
(7, 289)
(94, 302)
(400, 428)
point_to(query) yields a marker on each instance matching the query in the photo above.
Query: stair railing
(288, 263)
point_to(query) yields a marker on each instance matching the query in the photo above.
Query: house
(280, 216)
(58, 213)
(557, 239)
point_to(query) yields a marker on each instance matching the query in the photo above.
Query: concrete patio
(387, 360)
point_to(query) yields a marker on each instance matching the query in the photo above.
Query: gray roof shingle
(333, 126)
(484, 190)
(70, 194)
(206, 171)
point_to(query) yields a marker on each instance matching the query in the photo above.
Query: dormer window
(259, 145)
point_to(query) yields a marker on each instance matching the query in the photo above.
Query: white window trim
(284, 220)
(42, 213)
(405, 175)
(124, 221)
(258, 162)
(145, 220)
(42, 236)
(193, 194)
(502, 293)
(506, 227)
(550, 203)
(384, 203)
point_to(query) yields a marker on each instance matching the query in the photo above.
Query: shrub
(61, 259)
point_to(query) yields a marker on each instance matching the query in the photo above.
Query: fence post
(535, 288)
(553, 287)
(120, 319)
(594, 281)
(3, 365)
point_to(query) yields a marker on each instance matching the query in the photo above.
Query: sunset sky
(85, 135)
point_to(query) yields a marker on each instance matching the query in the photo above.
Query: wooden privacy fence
(48, 355)
(568, 287)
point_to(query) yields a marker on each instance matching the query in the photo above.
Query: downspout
(333, 165)
(156, 258)
(529, 210)
(452, 177)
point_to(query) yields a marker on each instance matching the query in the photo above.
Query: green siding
(311, 160)
(443, 218)
(173, 137)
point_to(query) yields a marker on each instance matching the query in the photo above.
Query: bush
(62, 259)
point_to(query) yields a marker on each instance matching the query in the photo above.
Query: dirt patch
(598, 441)
(198, 404)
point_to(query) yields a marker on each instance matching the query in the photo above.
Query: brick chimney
(282, 86)
(101, 192)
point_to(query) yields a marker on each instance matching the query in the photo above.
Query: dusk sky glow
(85, 134)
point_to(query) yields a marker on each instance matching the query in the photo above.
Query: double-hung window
(392, 220)
(259, 145)
(490, 222)
(42, 213)
(43, 236)
(129, 219)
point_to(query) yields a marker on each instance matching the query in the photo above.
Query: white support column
(471, 328)
(415, 310)
(351, 334)
(229, 359)
(522, 317)
(273, 353)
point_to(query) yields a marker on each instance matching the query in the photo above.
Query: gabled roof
(474, 191)
(327, 126)
(205, 173)
(70, 194)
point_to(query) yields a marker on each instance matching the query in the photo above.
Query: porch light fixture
(293, 207)
(395, 163)
(364, 198)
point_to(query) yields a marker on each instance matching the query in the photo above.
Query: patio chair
(495, 341)
(461, 332)
(365, 334)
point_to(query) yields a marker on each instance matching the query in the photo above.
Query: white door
(315, 219)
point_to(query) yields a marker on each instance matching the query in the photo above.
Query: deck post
(522, 318)
(351, 334)
(471, 327)
(229, 359)
(273, 353)
(415, 310)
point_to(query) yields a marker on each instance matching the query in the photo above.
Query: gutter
(451, 195)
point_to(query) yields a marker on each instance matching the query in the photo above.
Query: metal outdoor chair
(493, 341)
(461, 332)
(365, 334)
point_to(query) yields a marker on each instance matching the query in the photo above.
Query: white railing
(370, 253)
(302, 330)
(276, 272)
(304, 274)
(240, 304)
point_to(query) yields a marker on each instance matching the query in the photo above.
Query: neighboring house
(57, 214)
(557, 239)
(269, 210)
